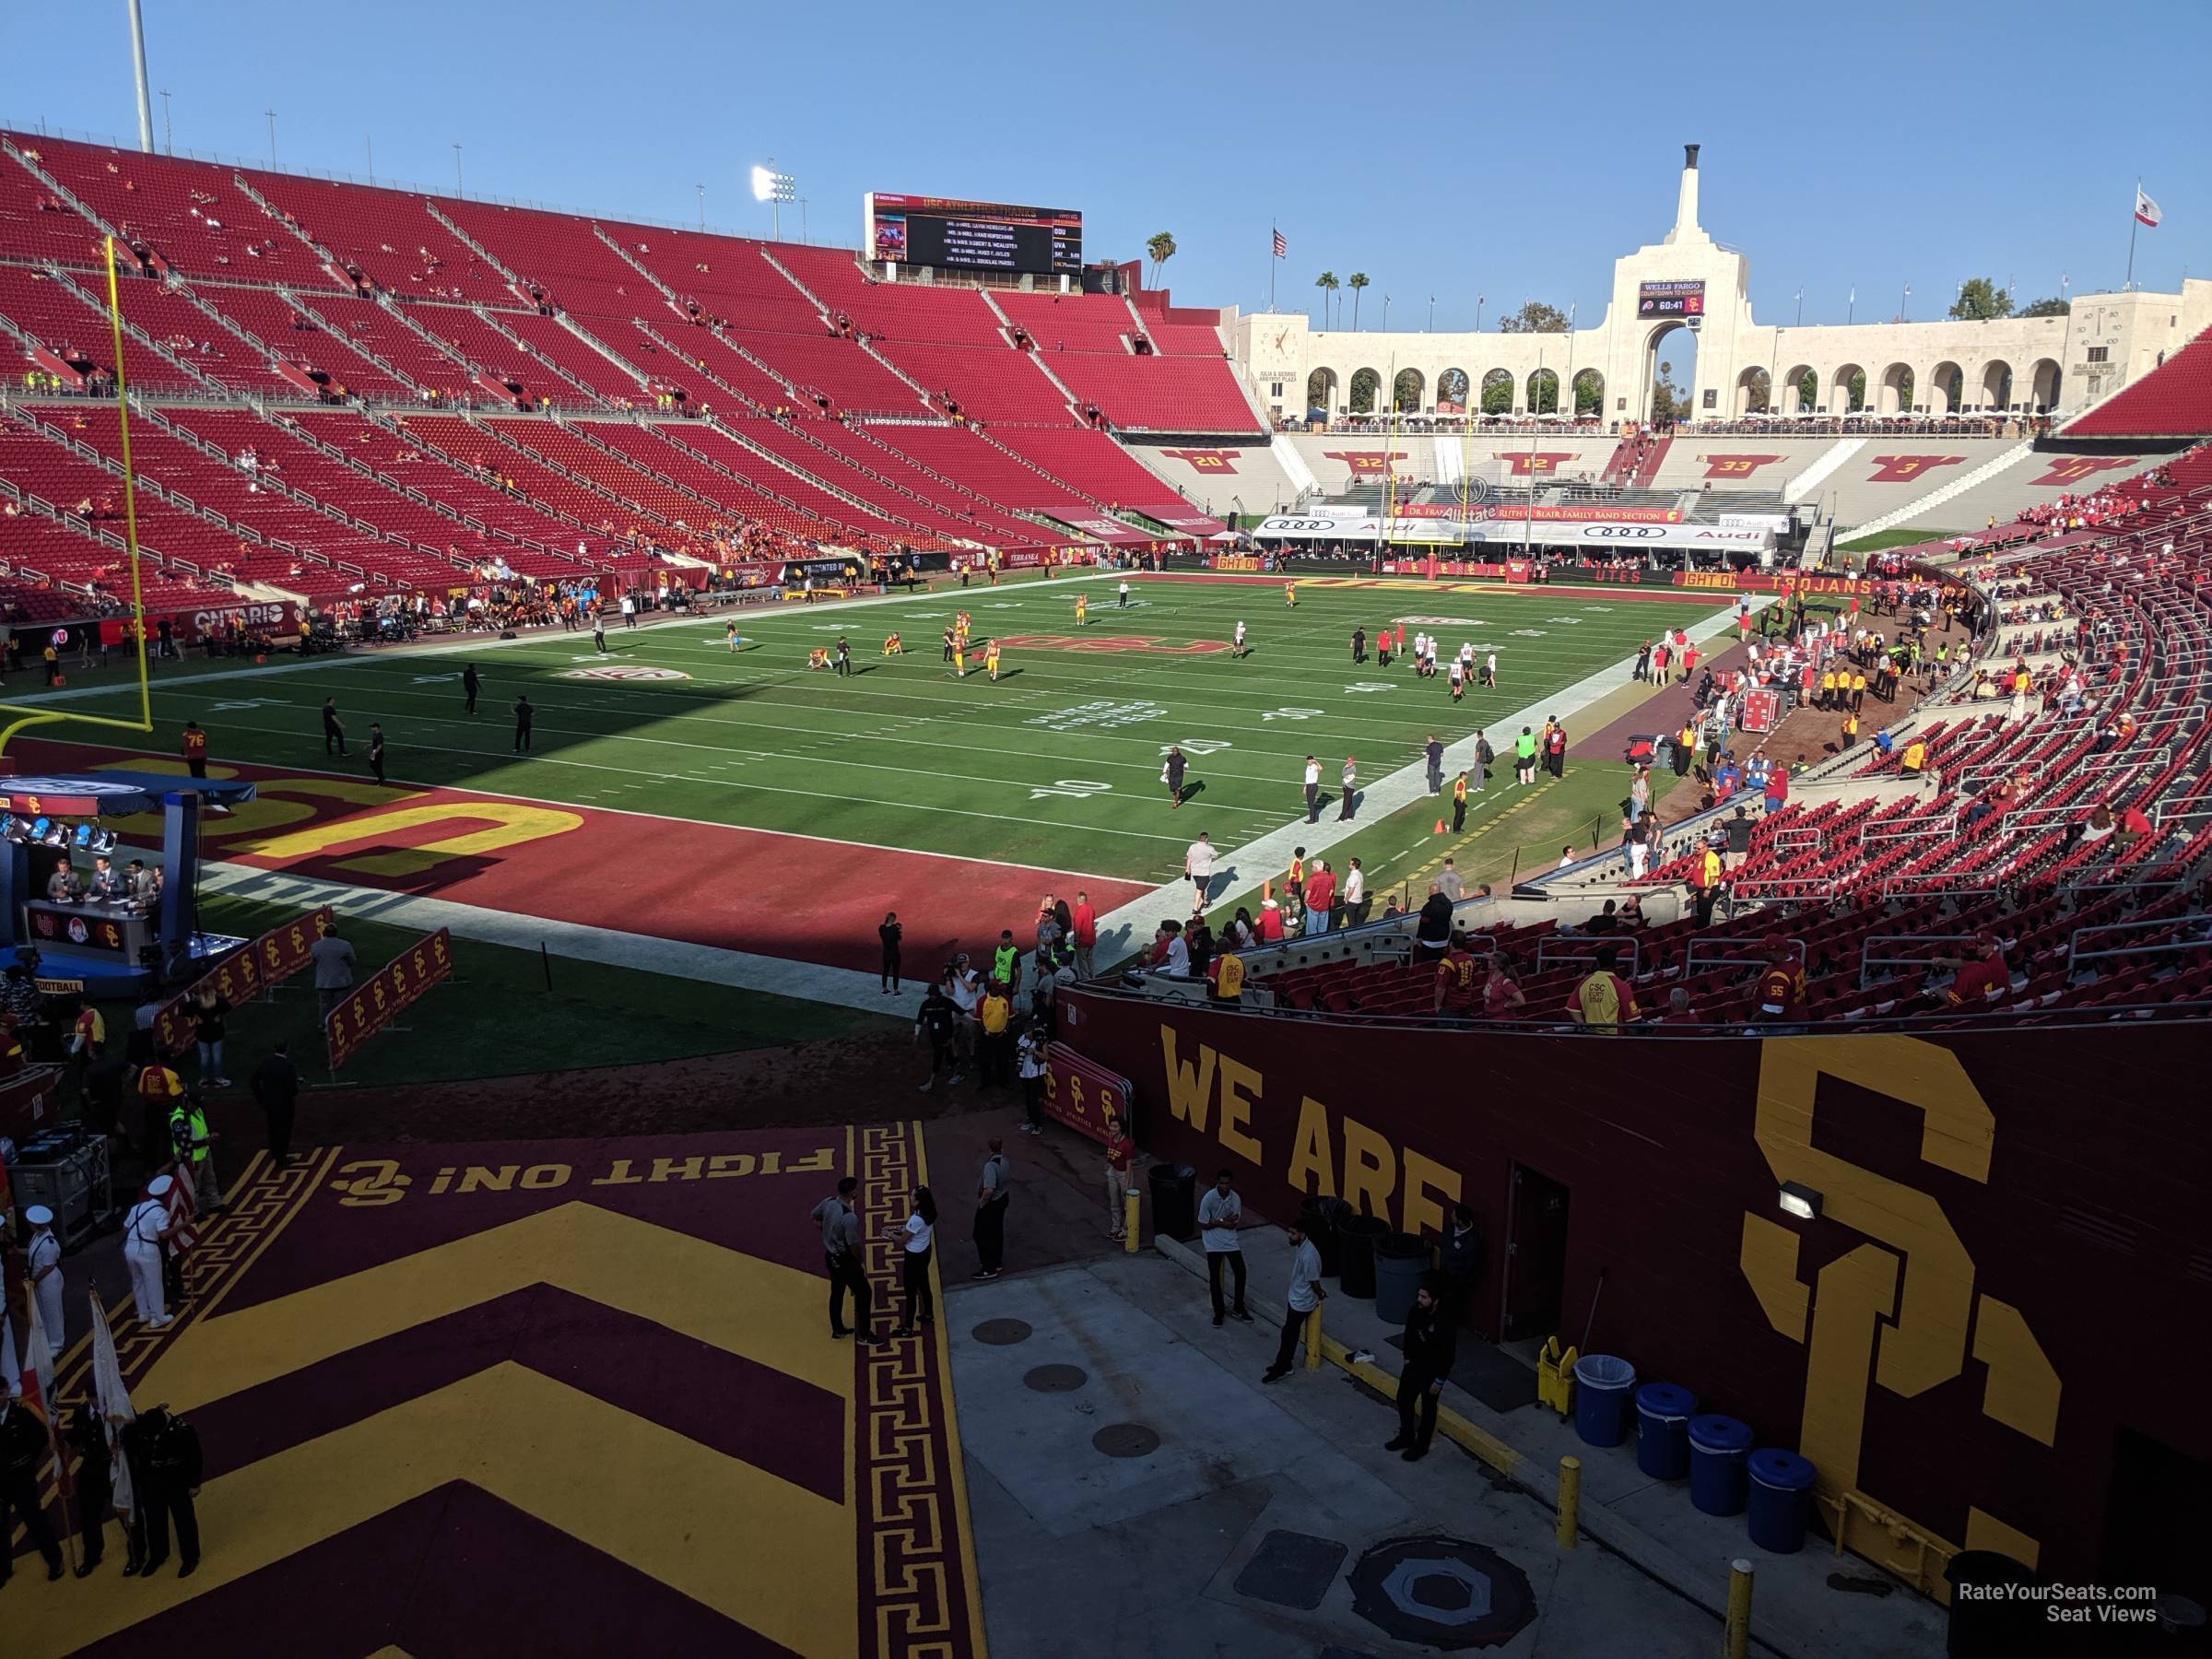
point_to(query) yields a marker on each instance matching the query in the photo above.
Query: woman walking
(207, 1010)
(1030, 1055)
(890, 932)
(917, 1235)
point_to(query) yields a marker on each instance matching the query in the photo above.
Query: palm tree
(1162, 249)
(1356, 281)
(1327, 283)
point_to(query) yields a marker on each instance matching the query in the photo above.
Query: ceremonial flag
(2146, 210)
(1282, 248)
(37, 1374)
(112, 1398)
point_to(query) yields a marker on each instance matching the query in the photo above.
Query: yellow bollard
(1737, 1634)
(1131, 1219)
(1570, 1498)
(1313, 1338)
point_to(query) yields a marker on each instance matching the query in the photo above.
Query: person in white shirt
(917, 1234)
(144, 1228)
(1240, 642)
(1355, 895)
(1198, 865)
(966, 989)
(1178, 962)
(1306, 1295)
(1029, 1063)
(1490, 670)
(1220, 1216)
(1124, 597)
(1351, 779)
(1566, 858)
(42, 1262)
(1312, 790)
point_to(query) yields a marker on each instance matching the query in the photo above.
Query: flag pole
(2135, 221)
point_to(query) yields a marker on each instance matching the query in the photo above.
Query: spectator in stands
(1781, 992)
(1982, 980)
(1432, 934)
(1601, 1000)
(1707, 881)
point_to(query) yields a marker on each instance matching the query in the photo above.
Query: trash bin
(1400, 1261)
(1357, 1237)
(1174, 1202)
(1603, 1386)
(1986, 1621)
(1782, 1483)
(1663, 1413)
(1320, 1217)
(1718, 1448)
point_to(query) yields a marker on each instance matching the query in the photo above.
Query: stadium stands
(2173, 400)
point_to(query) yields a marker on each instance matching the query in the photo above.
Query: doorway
(1535, 1255)
(1670, 375)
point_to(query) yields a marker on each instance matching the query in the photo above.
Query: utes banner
(370, 1008)
(269, 961)
(1081, 1093)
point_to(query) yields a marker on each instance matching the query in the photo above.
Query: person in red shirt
(1984, 979)
(1458, 981)
(1085, 927)
(194, 749)
(1271, 922)
(1120, 1148)
(1501, 994)
(1321, 889)
(1781, 995)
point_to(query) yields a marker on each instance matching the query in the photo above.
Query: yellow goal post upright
(31, 714)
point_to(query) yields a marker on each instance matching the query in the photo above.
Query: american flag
(1282, 248)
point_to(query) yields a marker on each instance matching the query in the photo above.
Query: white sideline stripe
(1246, 866)
(740, 969)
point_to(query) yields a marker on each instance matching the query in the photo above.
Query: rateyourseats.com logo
(2073, 1604)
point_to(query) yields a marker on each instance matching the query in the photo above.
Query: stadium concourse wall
(2009, 1234)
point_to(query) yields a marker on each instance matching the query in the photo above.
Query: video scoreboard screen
(1670, 300)
(977, 236)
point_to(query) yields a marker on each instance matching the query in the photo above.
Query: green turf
(1056, 765)
(1848, 543)
(498, 1017)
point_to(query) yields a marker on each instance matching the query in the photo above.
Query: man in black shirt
(522, 714)
(22, 1449)
(334, 735)
(376, 750)
(1433, 933)
(276, 1085)
(939, 1018)
(1431, 1343)
(470, 686)
(1433, 751)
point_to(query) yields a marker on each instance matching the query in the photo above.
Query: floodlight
(1800, 1201)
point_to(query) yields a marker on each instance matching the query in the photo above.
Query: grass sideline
(498, 1018)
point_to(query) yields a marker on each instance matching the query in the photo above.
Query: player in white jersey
(1240, 649)
(1459, 680)
(1467, 657)
(1489, 669)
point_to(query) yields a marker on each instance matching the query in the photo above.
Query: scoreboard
(977, 236)
(1685, 299)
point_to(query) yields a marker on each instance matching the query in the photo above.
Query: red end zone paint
(705, 884)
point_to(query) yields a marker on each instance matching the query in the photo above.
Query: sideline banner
(401, 982)
(1081, 1093)
(268, 961)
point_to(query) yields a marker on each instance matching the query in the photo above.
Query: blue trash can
(1782, 1483)
(1663, 1413)
(1718, 1447)
(1603, 1386)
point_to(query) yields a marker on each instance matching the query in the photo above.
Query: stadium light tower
(775, 188)
(146, 101)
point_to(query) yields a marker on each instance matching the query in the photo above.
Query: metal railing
(1869, 960)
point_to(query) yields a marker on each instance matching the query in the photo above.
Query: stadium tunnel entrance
(1670, 373)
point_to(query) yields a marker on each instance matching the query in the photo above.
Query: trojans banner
(269, 961)
(1081, 1093)
(372, 1007)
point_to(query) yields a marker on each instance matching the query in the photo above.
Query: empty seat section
(812, 510)
(963, 454)
(190, 213)
(299, 337)
(413, 465)
(1095, 464)
(709, 371)
(479, 447)
(853, 381)
(992, 385)
(56, 315)
(552, 341)
(387, 235)
(367, 324)
(1071, 321)
(560, 254)
(888, 483)
(726, 279)
(1158, 394)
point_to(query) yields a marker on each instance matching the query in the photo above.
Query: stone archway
(1497, 393)
(1841, 397)
(1947, 388)
(1800, 389)
(1323, 388)
(1893, 394)
(1996, 384)
(1589, 394)
(1366, 391)
(2043, 383)
(1452, 387)
(1543, 391)
(1670, 363)
(1754, 393)
(1407, 389)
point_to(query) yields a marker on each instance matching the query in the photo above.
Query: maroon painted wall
(2093, 1221)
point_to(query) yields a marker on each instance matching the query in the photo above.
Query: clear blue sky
(1874, 144)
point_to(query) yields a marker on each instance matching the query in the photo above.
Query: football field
(1056, 765)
